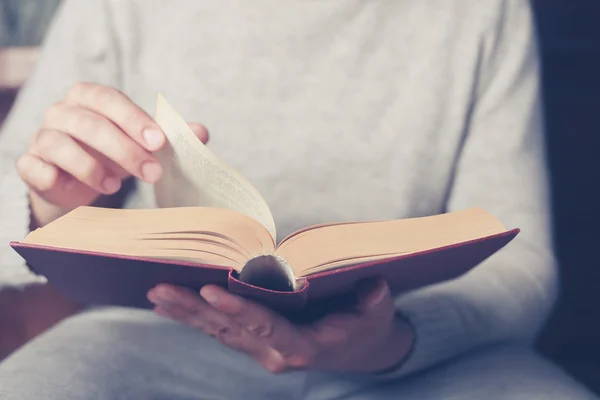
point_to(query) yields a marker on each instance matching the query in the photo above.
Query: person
(345, 110)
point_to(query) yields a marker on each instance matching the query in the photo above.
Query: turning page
(195, 176)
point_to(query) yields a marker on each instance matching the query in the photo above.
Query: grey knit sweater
(336, 110)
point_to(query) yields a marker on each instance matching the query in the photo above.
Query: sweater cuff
(14, 226)
(438, 333)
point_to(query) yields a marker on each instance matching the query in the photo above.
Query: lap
(115, 353)
(121, 354)
(495, 373)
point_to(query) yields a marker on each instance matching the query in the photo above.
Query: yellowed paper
(194, 176)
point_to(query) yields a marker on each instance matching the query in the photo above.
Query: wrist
(387, 353)
(399, 346)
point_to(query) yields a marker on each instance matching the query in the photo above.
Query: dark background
(569, 33)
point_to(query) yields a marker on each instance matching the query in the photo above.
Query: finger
(114, 168)
(186, 316)
(194, 311)
(273, 330)
(121, 110)
(188, 307)
(99, 133)
(60, 149)
(47, 182)
(375, 300)
(36, 173)
(200, 131)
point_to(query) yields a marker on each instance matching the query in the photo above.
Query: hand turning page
(213, 227)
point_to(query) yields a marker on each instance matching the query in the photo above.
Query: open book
(213, 226)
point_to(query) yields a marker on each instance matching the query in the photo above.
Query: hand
(88, 144)
(370, 339)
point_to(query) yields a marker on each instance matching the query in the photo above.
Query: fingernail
(151, 171)
(154, 139)
(211, 297)
(111, 184)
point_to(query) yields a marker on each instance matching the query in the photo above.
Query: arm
(502, 169)
(79, 47)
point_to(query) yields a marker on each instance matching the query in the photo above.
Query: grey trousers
(112, 353)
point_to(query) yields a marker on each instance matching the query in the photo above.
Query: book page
(332, 246)
(203, 235)
(194, 176)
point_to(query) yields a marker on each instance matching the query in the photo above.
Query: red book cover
(106, 279)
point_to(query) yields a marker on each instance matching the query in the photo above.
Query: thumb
(375, 298)
(200, 131)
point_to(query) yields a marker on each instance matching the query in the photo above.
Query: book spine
(282, 301)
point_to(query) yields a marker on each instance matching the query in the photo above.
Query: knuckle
(227, 331)
(54, 111)
(106, 96)
(48, 140)
(86, 123)
(262, 330)
(132, 154)
(46, 182)
(122, 150)
(128, 156)
(194, 310)
(23, 166)
(89, 169)
(79, 89)
(228, 335)
(133, 124)
(35, 174)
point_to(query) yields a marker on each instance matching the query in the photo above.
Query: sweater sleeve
(501, 169)
(79, 46)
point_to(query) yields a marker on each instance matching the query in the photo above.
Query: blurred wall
(570, 39)
(24, 22)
